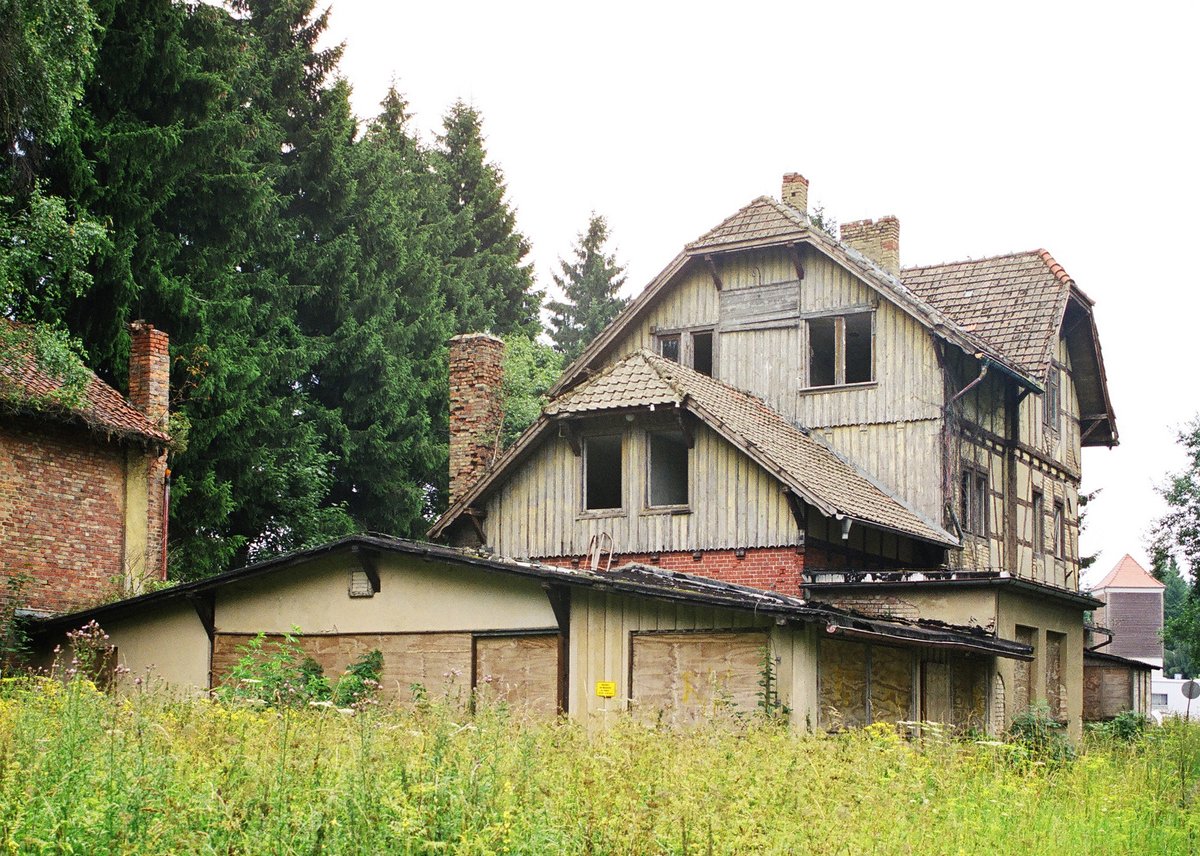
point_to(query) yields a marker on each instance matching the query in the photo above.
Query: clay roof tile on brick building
(28, 388)
(1128, 574)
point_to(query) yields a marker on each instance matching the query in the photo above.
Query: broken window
(1050, 399)
(1060, 531)
(668, 346)
(693, 349)
(702, 352)
(602, 473)
(841, 350)
(668, 469)
(1039, 523)
(973, 501)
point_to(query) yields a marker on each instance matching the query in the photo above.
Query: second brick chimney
(476, 408)
(795, 191)
(878, 240)
(150, 372)
(149, 392)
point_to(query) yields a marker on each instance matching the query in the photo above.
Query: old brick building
(83, 488)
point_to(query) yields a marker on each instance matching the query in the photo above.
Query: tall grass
(84, 772)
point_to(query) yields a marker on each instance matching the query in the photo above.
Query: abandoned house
(83, 485)
(799, 413)
(788, 456)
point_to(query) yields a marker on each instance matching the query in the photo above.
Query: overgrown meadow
(82, 771)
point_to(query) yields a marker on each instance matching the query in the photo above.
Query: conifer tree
(490, 285)
(590, 282)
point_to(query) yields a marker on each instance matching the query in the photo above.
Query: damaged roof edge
(640, 580)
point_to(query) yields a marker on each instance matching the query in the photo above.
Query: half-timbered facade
(783, 409)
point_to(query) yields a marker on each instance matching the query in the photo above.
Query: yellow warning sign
(606, 689)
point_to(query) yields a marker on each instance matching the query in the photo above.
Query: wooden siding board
(521, 671)
(685, 678)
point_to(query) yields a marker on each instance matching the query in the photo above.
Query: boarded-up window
(440, 663)
(842, 673)
(1055, 691)
(602, 473)
(668, 469)
(891, 684)
(1023, 671)
(521, 671)
(954, 690)
(687, 677)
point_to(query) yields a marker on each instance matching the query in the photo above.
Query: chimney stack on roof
(878, 240)
(795, 191)
(476, 408)
(150, 372)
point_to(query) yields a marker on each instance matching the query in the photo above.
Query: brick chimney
(795, 191)
(878, 240)
(150, 392)
(150, 371)
(476, 408)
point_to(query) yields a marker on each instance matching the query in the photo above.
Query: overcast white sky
(986, 129)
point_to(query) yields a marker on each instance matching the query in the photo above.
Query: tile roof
(764, 219)
(1128, 574)
(635, 579)
(1015, 303)
(812, 470)
(102, 409)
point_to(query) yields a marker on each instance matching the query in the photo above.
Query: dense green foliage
(1176, 659)
(1177, 539)
(88, 773)
(200, 167)
(590, 282)
(530, 369)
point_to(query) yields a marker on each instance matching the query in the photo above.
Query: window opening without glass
(602, 473)
(668, 469)
(841, 349)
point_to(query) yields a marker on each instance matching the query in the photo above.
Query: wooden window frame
(975, 494)
(1060, 529)
(614, 511)
(648, 506)
(687, 343)
(1038, 510)
(1052, 400)
(839, 350)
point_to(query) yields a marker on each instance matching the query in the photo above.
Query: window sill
(600, 513)
(838, 387)
(658, 510)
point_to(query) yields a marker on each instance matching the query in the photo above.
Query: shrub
(1126, 727)
(359, 684)
(1038, 731)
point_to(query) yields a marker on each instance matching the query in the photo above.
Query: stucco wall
(165, 645)
(415, 596)
(1044, 615)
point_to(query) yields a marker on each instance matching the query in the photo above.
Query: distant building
(1133, 611)
(1167, 698)
(83, 488)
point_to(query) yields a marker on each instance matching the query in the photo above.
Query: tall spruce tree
(590, 282)
(490, 285)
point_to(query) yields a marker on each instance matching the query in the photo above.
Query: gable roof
(767, 222)
(1015, 302)
(634, 579)
(798, 459)
(28, 388)
(1128, 574)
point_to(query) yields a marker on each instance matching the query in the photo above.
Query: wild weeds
(145, 772)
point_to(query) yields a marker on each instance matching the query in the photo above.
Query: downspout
(947, 468)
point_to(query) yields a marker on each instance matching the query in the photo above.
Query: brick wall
(62, 513)
(878, 240)
(476, 409)
(776, 569)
